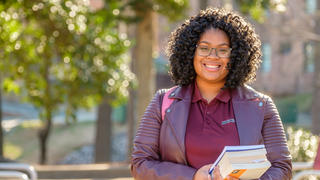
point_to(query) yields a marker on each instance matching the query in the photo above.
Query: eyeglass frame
(215, 50)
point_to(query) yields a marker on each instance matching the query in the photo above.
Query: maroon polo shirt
(210, 127)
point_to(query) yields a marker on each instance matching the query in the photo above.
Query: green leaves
(173, 9)
(258, 9)
(68, 53)
(64, 53)
(10, 86)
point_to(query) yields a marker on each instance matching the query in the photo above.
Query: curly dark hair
(245, 56)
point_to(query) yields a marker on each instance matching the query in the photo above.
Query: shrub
(302, 144)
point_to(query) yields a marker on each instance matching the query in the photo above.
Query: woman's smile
(212, 67)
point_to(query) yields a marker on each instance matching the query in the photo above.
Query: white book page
(234, 148)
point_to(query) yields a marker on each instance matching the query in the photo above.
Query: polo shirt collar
(223, 96)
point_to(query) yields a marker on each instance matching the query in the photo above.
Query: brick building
(288, 52)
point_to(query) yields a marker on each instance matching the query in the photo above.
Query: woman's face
(211, 68)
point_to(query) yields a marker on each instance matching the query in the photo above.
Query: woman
(212, 57)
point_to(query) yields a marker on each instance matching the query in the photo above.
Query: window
(285, 48)
(266, 58)
(311, 6)
(309, 57)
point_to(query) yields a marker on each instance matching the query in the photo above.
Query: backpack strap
(166, 102)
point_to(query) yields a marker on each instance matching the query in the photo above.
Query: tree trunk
(316, 81)
(44, 132)
(1, 132)
(142, 66)
(103, 141)
(143, 60)
(43, 136)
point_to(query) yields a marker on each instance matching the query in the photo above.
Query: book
(245, 162)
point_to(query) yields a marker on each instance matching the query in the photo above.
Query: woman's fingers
(202, 173)
(216, 174)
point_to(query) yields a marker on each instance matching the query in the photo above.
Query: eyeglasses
(222, 52)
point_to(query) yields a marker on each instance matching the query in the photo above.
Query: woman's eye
(204, 48)
(223, 50)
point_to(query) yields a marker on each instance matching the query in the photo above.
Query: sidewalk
(114, 171)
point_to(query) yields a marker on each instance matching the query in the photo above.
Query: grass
(21, 143)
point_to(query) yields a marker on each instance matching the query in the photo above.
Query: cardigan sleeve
(276, 145)
(146, 163)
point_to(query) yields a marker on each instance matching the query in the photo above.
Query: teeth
(212, 66)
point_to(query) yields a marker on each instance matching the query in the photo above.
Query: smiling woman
(212, 56)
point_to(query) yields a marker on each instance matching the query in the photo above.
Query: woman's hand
(202, 174)
(217, 175)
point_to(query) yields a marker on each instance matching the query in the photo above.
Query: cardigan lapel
(178, 114)
(248, 110)
(178, 123)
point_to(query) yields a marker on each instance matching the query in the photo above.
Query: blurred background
(77, 75)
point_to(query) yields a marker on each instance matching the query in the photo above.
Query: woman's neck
(209, 90)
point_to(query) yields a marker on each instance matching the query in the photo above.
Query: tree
(146, 42)
(65, 54)
(145, 51)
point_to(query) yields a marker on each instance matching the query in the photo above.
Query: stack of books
(243, 162)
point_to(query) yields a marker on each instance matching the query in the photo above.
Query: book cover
(245, 162)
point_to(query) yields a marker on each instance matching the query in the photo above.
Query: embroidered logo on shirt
(227, 121)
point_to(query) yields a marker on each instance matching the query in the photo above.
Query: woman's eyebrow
(222, 44)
